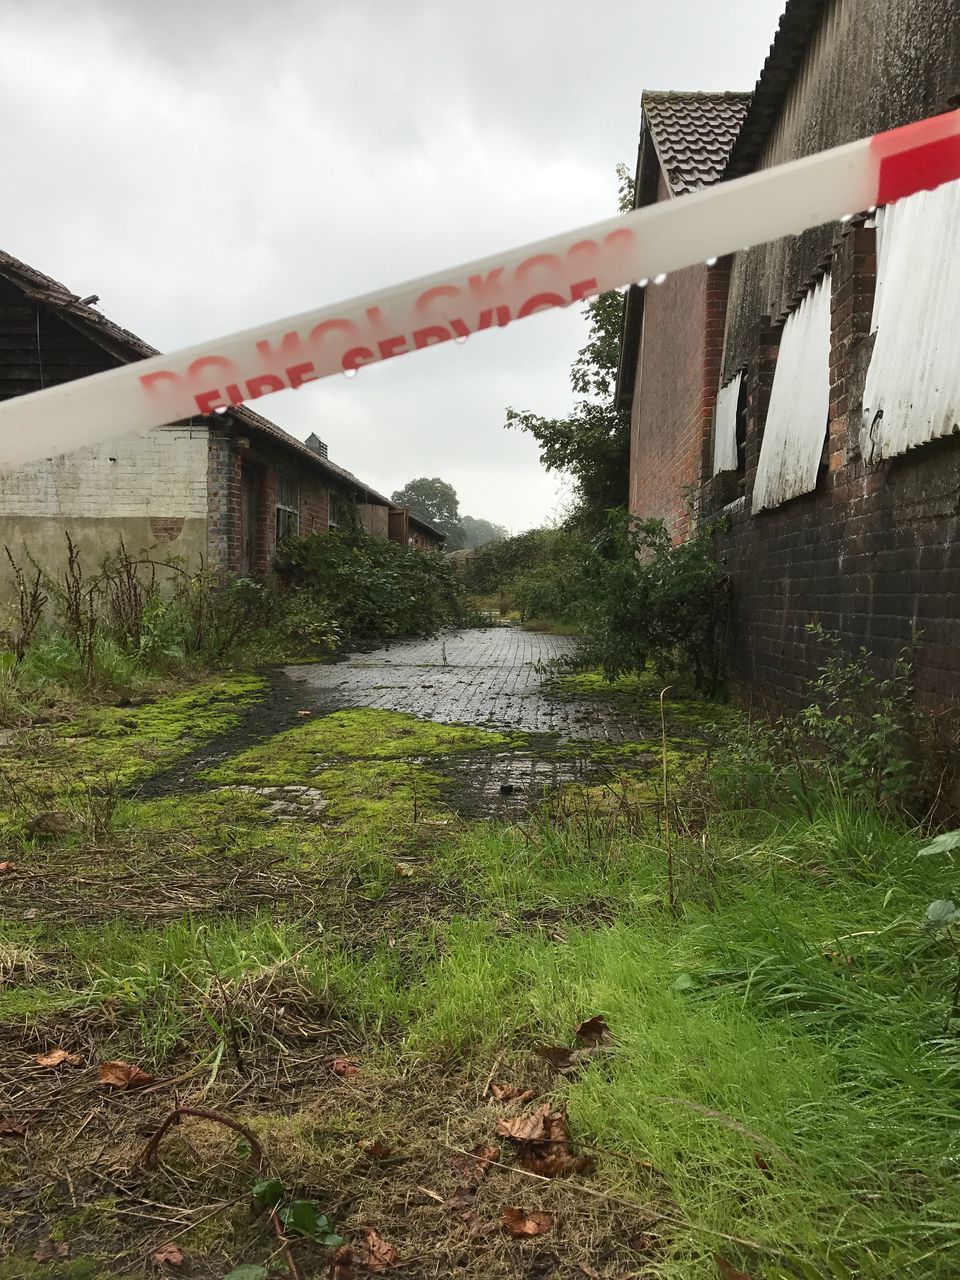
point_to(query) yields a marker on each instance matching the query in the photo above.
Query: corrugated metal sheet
(912, 390)
(799, 404)
(725, 426)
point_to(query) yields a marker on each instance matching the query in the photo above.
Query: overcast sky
(204, 165)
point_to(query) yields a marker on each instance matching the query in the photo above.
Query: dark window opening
(288, 512)
(742, 406)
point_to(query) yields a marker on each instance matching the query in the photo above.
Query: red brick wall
(665, 444)
(676, 386)
(872, 554)
(223, 503)
(266, 521)
(314, 507)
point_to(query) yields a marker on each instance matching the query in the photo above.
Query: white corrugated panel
(912, 390)
(799, 404)
(725, 426)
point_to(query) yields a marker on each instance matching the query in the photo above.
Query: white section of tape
(464, 300)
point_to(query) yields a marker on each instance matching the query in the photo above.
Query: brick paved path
(485, 676)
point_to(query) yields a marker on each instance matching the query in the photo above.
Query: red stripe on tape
(917, 157)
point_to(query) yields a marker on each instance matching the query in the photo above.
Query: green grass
(757, 1004)
(780, 1058)
(364, 734)
(129, 743)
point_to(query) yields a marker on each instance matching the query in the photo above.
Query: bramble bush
(862, 740)
(636, 597)
(649, 600)
(373, 588)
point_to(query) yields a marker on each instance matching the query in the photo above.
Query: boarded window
(725, 427)
(288, 508)
(912, 390)
(796, 425)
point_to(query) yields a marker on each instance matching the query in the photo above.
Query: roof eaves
(798, 25)
(425, 524)
(644, 193)
(651, 163)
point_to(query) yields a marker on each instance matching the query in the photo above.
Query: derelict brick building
(807, 391)
(222, 489)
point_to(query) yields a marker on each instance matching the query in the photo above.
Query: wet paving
(491, 676)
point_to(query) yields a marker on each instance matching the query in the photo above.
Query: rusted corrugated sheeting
(799, 404)
(912, 390)
(725, 427)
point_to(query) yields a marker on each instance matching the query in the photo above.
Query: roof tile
(693, 134)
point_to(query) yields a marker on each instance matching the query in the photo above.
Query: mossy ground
(311, 940)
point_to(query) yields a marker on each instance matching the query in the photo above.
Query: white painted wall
(161, 472)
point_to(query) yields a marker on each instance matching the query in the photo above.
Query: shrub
(499, 565)
(537, 572)
(218, 612)
(869, 732)
(862, 742)
(372, 587)
(648, 599)
(309, 624)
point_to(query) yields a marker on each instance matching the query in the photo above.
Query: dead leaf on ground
(522, 1224)
(7, 867)
(375, 1148)
(728, 1270)
(123, 1075)
(566, 1061)
(168, 1255)
(594, 1032)
(58, 1058)
(512, 1093)
(543, 1143)
(476, 1225)
(50, 1250)
(762, 1165)
(10, 1130)
(344, 1067)
(381, 1255)
(527, 1127)
(473, 1166)
(341, 1264)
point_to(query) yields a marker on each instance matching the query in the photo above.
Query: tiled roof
(129, 347)
(798, 24)
(693, 134)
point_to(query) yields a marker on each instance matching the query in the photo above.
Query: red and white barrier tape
(481, 295)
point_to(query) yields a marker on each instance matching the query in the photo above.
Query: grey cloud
(204, 166)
